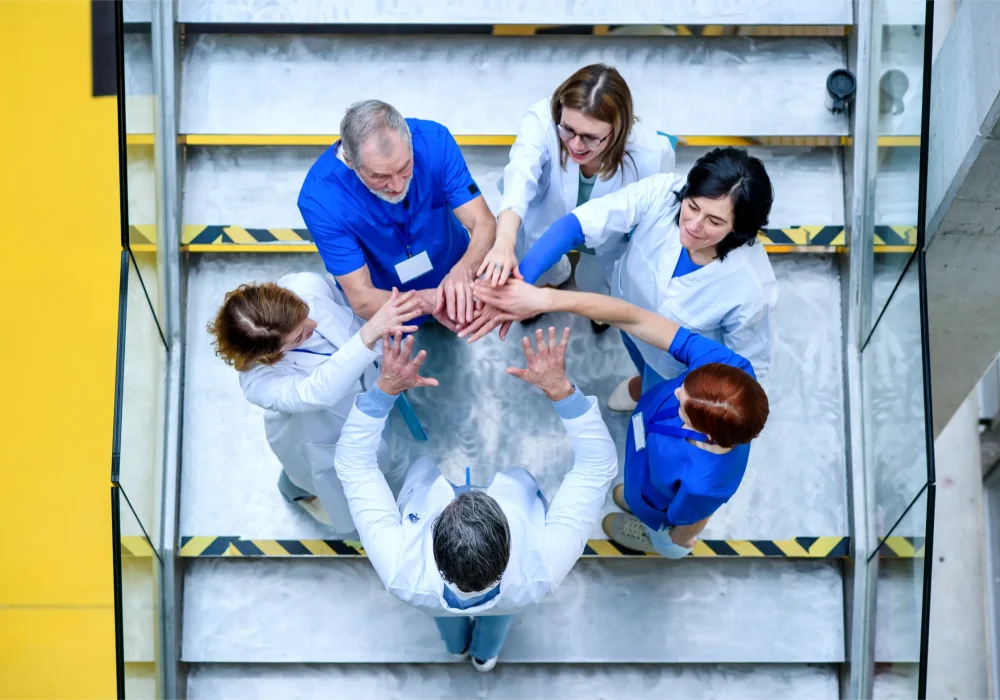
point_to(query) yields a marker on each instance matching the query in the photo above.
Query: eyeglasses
(589, 140)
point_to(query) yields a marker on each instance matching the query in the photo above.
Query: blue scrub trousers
(649, 377)
(482, 636)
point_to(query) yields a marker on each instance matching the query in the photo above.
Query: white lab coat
(397, 536)
(308, 397)
(730, 301)
(539, 190)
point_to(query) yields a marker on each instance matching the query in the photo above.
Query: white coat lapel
(570, 178)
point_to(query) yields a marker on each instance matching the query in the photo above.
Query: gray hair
(472, 542)
(371, 119)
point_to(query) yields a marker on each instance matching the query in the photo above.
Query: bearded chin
(393, 199)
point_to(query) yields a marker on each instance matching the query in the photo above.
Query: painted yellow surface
(58, 324)
(57, 653)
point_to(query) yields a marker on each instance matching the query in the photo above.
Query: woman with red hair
(689, 438)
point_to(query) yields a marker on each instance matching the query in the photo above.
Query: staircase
(272, 607)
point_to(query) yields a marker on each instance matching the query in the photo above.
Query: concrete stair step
(503, 12)
(302, 84)
(259, 186)
(617, 611)
(511, 681)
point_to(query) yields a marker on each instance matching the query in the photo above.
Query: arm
(478, 219)
(578, 502)
(362, 295)
(269, 388)
(528, 158)
(373, 508)
(749, 336)
(467, 203)
(519, 299)
(372, 505)
(577, 505)
(598, 220)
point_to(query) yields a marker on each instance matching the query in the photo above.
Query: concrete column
(957, 656)
(963, 198)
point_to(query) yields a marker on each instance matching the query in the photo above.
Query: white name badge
(639, 432)
(412, 268)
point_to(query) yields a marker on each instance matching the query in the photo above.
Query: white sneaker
(460, 657)
(315, 509)
(484, 666)
(620, 399)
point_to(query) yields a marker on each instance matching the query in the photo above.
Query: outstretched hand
(399, 372)
(546, 366)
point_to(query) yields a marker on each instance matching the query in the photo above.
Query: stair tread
(794, 486)
(503, 12)
(734, 611)
(303, 84)
(512, 681)
(259, 186)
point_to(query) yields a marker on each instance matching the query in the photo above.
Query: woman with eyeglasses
(691, 257)
(581, 144)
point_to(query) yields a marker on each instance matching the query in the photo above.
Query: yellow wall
(59, 256)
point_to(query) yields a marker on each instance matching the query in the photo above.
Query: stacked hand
(390, 318)
(511, 302)
(499, 264)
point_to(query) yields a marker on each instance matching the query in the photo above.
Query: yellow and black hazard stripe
(218, 238)
(135, 546)
(704, 30)
(903, 548)
(797, 548)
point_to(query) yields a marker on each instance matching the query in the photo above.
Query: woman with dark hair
(689, 438)
(582, 143)
(691, 257)
(302, 355)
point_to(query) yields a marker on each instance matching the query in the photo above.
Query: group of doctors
(407, 236)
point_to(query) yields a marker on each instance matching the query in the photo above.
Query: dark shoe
(599, 327)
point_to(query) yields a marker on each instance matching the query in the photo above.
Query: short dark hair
(472, 542)
(734, 172)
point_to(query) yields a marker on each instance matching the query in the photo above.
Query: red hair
(725, 403)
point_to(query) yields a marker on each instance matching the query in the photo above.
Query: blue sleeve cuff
(562, 236)
(573, 406)
(375, 403)
(677, 346)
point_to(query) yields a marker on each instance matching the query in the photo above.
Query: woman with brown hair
(581, 144)
(689, 438)
(303, 355)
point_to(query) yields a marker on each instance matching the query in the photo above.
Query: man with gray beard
(392, 204)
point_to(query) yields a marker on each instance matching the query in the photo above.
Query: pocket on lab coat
(327, 484)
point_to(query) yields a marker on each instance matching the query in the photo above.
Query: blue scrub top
(352, 227)
(672, 482)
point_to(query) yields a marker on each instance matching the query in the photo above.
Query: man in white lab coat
(469, 557)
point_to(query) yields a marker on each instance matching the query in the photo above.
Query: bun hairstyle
(253, 322)
(725, 403)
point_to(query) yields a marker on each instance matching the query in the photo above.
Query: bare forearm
(367, 301)
(644, 325)
(482, 236)
(683, 534)
(508, 224)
